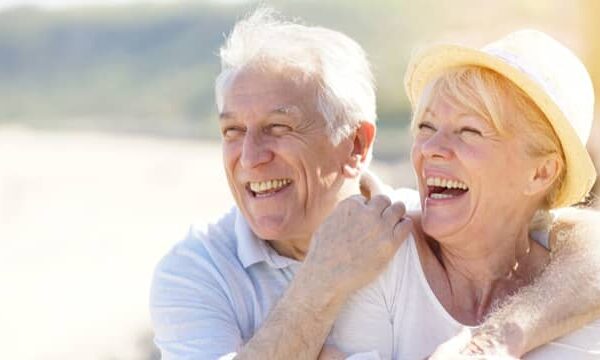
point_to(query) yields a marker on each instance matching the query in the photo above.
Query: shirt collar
(251, 249)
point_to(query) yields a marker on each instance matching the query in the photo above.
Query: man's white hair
(336, 63)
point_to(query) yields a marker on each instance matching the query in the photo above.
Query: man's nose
(439, 146)
(255, 150)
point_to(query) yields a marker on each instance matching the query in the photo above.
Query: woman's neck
(483, 269)
(483, 258)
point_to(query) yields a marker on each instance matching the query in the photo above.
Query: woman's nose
(438, 145)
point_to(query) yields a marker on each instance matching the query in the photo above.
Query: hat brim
(580, 172)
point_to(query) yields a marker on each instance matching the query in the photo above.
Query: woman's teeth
(440, 196)
(269, 185)
(450, 184)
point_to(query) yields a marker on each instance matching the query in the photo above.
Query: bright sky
(59, 4)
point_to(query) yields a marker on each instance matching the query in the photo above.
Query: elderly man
(297, 116)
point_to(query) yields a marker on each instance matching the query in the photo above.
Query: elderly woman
(499, 139)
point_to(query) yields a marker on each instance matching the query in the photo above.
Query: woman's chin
(440, 228)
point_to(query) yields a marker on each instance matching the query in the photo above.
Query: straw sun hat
(544, 69)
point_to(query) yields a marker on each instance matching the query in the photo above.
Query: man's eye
(425, 127)
(232, 131)
(278, 129)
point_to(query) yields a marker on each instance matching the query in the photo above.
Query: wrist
(318, 291)
(501, 340)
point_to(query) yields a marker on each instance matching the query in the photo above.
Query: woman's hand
(471, 345)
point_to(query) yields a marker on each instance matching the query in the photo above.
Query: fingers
(452, 348)
(371, 185)
(356, 198)
(394, 212)
(395, 215)
(401, 230)
(379, 203)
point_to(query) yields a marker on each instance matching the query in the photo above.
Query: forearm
(351, 247)
(298, 325)
(564, 297)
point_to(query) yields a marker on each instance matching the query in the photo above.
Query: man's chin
(270, 228)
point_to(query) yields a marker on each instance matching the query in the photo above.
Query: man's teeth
(261, 186)
(450, 184)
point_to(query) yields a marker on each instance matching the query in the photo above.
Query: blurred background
(109, 143)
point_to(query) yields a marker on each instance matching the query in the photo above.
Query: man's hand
(356, 242)
(351, 247)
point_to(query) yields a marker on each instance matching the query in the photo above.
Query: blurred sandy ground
(83, 220)
(84, 217)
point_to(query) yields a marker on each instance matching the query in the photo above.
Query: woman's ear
(544, 175)
(362, 142)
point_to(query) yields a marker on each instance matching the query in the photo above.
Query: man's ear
(362, 141)
(543, 175)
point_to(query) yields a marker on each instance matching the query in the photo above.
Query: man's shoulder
(191, 292)
(204, 247)
(216, 235)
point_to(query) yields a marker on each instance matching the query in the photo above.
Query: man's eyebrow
(292, 111)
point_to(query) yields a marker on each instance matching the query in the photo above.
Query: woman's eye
(470, 131)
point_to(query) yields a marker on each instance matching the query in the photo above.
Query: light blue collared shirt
(214, 289)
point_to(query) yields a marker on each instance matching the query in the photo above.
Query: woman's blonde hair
(485, 93)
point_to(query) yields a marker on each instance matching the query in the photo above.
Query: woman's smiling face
(468, 173)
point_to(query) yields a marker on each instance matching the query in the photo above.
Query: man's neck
(293, 249)
(297, 248)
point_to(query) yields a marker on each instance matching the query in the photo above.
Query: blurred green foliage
(136, 68)
(150, 69)
(142, 68)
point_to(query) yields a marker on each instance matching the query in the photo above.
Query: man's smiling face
(283, 170)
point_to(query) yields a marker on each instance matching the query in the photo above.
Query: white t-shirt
(400, 317)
